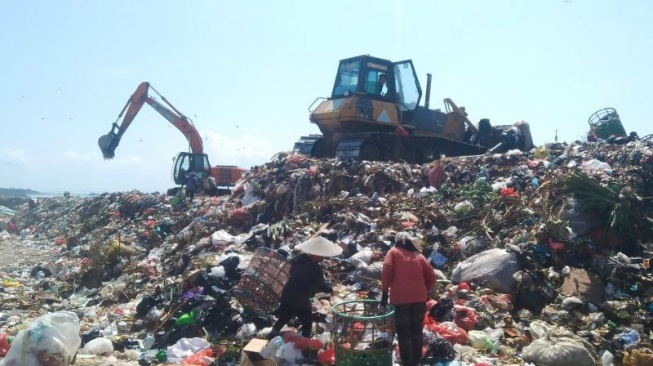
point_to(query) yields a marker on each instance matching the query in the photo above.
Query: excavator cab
(186, 163)
(225, 175)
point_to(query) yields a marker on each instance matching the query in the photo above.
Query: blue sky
(246, 72)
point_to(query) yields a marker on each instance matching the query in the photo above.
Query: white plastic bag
(596, 165)
(53, 335)
(98, 346)
(496, 266)
(272, 347)
(560, 347)
(186, 347)
(222, 237)
(246, 331)
(289, 353)
(463, 208)
(362, 257)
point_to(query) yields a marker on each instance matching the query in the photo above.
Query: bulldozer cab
(186, 163)
(378, 79)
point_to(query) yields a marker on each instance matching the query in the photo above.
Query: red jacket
(408, 276)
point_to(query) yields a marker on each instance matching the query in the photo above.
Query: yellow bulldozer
(374, 113)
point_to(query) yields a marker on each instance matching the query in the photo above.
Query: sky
(246, 72)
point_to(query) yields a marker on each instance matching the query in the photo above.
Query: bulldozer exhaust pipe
(427, 98)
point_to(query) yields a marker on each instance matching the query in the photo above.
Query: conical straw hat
(402, 236)
(320, 247)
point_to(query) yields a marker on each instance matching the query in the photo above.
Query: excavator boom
(195, 161)
(109, 142)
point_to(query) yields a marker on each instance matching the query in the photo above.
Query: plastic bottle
(111, 330)
(148, 342)
(607, 359)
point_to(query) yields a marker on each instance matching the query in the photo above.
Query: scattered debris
(539, 259)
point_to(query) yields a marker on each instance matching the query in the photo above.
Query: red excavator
(185, 163)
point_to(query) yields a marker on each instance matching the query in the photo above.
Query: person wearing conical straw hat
(305, 280)
(408, 276)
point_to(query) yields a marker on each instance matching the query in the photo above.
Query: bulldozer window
(376, 83)
(407, 85)
(347, 79)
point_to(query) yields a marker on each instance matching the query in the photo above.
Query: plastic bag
(328, 356)
(186, 347)
(222, 237)
(246, 331)
(4, 344)
(465, 317)
(289, 353)
(363, 257)
(302, 342)
(272, 347)
(561, 347)
(52, 339)
(480, 340)
(98, 346)
(440, 350)
(463, 208)
(450, 331)
(202, 357)
(495, 266)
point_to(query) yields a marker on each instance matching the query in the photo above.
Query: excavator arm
(109, 142)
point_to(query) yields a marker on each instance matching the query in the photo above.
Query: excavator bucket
(107, 145)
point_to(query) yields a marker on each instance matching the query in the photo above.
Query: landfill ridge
(529, 245)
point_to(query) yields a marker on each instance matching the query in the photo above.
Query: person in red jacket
(408, 276)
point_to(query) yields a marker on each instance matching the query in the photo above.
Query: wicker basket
(260, 286)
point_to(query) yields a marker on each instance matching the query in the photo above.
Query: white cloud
(243, 151)
(79, 157)
(15, 156)
(94, 157)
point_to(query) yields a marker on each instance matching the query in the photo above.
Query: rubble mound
(524, 242)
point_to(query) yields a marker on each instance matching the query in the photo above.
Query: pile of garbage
(542, 258)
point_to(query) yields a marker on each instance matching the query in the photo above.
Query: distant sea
(60, 194)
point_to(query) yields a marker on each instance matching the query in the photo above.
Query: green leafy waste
(612, 202)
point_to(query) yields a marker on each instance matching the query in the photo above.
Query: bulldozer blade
(105, 145)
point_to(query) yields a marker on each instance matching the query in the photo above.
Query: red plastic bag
(436, 176)
(328, 356)
(465, 317)
(508, 192)
(239, 214)
(302, 342)
(4, 345)
(450, 331)
(202, 358)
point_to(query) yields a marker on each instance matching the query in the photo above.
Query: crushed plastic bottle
(111, 330)
(148, 342)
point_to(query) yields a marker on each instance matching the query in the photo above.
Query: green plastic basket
(606, 122)
(357, 324)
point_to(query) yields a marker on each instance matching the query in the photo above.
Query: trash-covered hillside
(542, 258)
